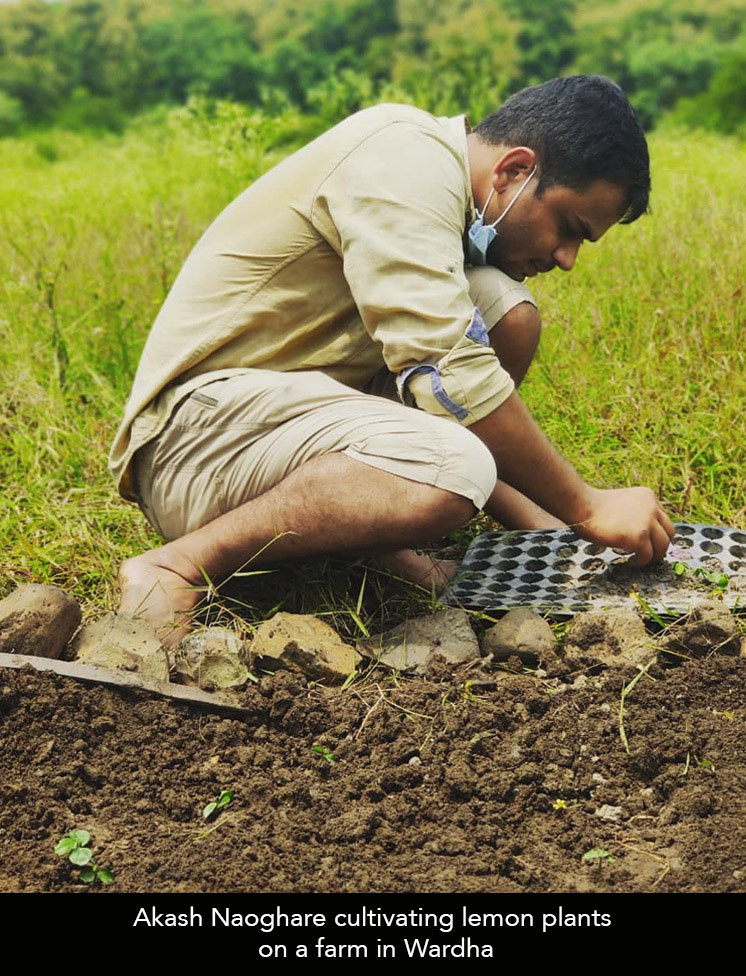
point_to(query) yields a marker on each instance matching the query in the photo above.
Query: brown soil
(435, 787)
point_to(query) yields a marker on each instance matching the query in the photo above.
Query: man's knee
(435, 452)
(515, 339)
(472, 473)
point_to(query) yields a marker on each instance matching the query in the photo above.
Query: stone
(607, 812)
(210, 659)
(709, 628)
(123, 642)
(608, 637)
(523, 633)
(302, 642)
(37, 619)
(412, 645)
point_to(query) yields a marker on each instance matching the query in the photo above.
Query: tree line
(94, 63)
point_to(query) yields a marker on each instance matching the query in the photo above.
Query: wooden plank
(125, 679)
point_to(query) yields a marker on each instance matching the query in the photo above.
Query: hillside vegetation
(94, 63)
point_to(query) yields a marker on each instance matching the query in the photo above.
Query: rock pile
(43, 620)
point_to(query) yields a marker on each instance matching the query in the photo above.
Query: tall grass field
(640, 379)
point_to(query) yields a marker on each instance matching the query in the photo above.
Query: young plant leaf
(81, 856)
(88, 875)
(209, 810)
(81, 837)
(64, 846)
(597, 854)
(105, 876)
(324, 753)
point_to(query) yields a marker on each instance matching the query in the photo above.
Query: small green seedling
(704, 763)
(560, 805)
(599, 855)
(75, 847)
(468, 695)
(626, 691)
(717, 579)
(325, 754)
(93, 873)
(720, 580)
(226, 796)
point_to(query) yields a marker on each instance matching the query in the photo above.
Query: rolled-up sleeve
(394, 208)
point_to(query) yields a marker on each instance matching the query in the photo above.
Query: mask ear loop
(483, 211)
(507, 209)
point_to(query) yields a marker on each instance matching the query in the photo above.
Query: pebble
(608, 812)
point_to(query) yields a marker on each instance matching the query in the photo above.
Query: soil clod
(302, 642)
(123, 642)
(37, 619)
(211, 659)
(609, 638)
(709, 628)
(412, 645)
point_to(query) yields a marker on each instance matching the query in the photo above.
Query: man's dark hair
(582, 129)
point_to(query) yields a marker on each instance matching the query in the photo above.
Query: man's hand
(627, 518)
(621, 518)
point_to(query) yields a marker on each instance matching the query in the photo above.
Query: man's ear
(512, 166)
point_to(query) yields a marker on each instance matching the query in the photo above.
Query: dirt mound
(439, 783)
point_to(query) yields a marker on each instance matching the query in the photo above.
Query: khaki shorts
(234, 439)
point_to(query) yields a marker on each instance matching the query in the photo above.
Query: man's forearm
(514, 511)
(625, 518)
(527, 461)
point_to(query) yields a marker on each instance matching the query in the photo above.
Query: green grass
(640, 376)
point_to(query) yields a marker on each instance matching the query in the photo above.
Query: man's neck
(482, 156)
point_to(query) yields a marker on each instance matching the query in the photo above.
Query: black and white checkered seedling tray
(554, 571)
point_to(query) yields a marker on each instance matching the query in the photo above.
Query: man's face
(545, 232)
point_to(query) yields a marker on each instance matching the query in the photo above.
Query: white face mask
(481, 235)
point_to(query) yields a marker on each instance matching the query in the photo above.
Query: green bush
(723, 106)
(11, 115)
(85, 112)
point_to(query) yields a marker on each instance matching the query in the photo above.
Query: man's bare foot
(157, 589)
(419, 568)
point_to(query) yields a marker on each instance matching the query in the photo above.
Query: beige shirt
(346, 256)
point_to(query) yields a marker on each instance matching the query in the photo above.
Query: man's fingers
(643, 552)
(661, 541)
(631, 519)
(652, 547)
(666, 522)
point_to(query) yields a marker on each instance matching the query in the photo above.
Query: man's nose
(565, 256)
